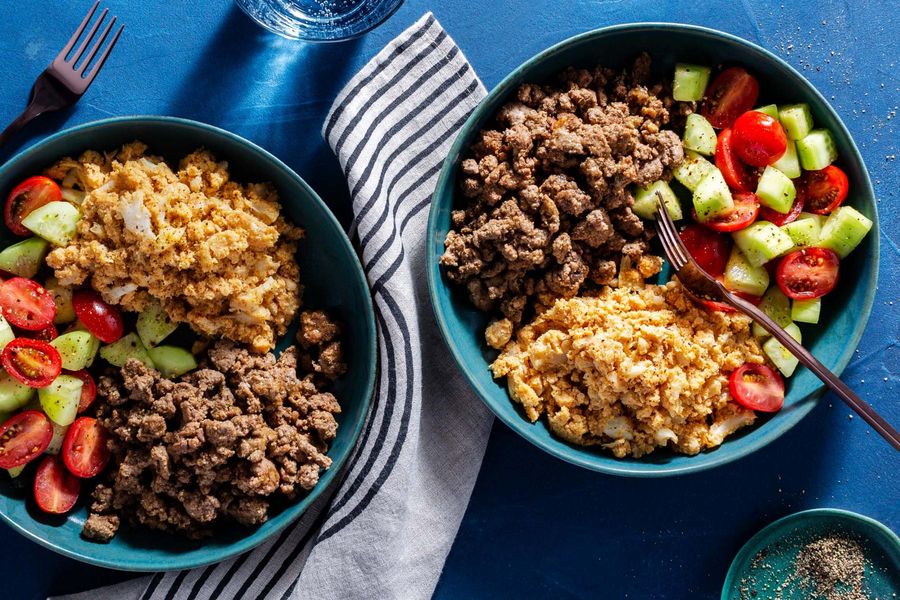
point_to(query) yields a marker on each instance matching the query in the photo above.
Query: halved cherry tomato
(88, 390)
(32, 193)
(736, 174)
(808, 273)
(758, 139)
(823, 191)
(84, 448)
(33, 362)
(26, 304)
(47, 334)
(101, 318)
(757, 387)
(717, 306)
(709, 249)
(746, 207)
(730, 95)
(23, 437)
(55, 489)
(777, 218)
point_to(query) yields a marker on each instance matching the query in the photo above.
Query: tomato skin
(88, 390)
(47, 334)
(33, 362)
(758, 139)
(746, 208)
(32, 193)
(823, 191)
(709, 248)
(26, 304)
(757, 387)
(777, 218)
(55, 489)
(717, 306)
(808, 273)
(84, 449)
(101, 318)
(736, 174)
(23, 437)
(732, 93)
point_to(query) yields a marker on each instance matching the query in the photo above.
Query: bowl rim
(581, 457)
(331, 475)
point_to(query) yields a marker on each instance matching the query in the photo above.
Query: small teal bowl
(332, 278)
(845, 311)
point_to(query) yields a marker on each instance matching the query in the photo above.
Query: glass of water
(319, 20)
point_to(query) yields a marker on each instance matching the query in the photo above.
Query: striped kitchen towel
(387, 528)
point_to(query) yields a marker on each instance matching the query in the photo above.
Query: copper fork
(71, 72)
(702, 285)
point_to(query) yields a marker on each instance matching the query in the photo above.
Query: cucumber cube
(796, 119)
(789, 164)
(776, 191)
(24, 258)
(59, 434)
(6, 334)
(171, 361)
(844, 229)
(776, 305)
(712, 197)
(769, 109)
(13, 394)
(54, 221)
(76, 349)
(60, 399)
(781, 356)
(817, 150)
(699, 135)
(62, 297)
(692, 170)
(806, 311)
(644, 207)
(820, 219)
(761, 242)
(803, 232)
(16, 471)
(129, 346)
(741, 276)
(690, 82)
(153, 324)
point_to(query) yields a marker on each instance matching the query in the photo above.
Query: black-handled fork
(71, 72)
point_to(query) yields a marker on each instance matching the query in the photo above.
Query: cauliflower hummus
(216, 254)
(631, 369)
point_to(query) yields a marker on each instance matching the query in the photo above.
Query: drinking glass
(319, 20)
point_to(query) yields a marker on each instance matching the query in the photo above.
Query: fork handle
(860, 406)
(27, 115)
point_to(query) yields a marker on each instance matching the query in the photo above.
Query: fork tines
(81, 59)
(668, 235)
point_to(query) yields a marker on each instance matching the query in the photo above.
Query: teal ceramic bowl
(333, 280)
(845, 311)
(782, 540)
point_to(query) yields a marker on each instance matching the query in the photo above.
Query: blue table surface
(535, 527)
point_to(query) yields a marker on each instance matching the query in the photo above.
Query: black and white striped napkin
(387, 528)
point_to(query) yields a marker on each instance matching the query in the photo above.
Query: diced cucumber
(776, 305)
(820, 219)
(692, 170)
(803, 232)
(153, 324)
(62, 297)
(24, 258)
(16, 471)
(6, 333)
(13, 394)
(76, 349)
(60, 399)
(768, 109)
(817, 150)
(699, 135)
(806, 311)
(690, 82)
(129, 346)
(712, 197)
(844, 229)
(54, 221)
(776, 191)
(761, 242)
(789, 164)
(644, 207)
(796, 119)
(781, 356)
(741, 276)
(59, 434)
(171, 361)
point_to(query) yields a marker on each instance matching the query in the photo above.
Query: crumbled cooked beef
(548, 189)
(219, 443)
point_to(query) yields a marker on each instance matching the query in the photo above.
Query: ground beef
(218, 444)
(548, 187)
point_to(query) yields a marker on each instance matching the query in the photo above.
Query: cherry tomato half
(823, 191)
(736, 174)
(23, 437)
(55, 489)
(101, 318)
(88, 390)
(33, 362)
(26, 304)
(32, 193)
(717, 306)
(730, 95)
(757, 387)
(746, 207)
(84, 448)
(758, 139)
(709, 248)
(777, 218)
(47, 334)
(808, 273)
